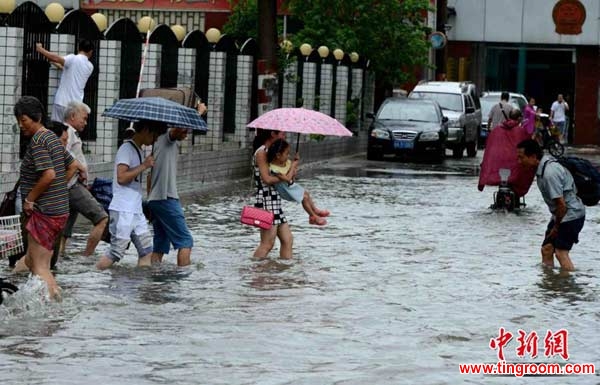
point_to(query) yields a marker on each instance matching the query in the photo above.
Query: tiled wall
(216, 102)
(186, 75)
(62, 45)
(102, 150)
(189, 19)
(369, 96)
(290, 84)
(309, 80)
(186, 66)
(243, 100)
(326, 90)
(357, 89)
(11, 55)
(151, 75)
(341, 93)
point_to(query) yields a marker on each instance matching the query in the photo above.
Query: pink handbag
(257, 217)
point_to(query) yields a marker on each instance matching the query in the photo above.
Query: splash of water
(32, 299)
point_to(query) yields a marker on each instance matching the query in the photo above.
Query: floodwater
(412, 276)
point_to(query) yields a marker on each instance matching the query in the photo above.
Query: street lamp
(305, 50)
(145, 24)
(55, 12)
(7, 6)
(354, 57)
(323, 52)
(287, 46)
(179, 31)
(213, 35)
(100, 20)
(338, 54)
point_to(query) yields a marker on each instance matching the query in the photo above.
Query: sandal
(313, 220)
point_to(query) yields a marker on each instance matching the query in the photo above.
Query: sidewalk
(583, 151)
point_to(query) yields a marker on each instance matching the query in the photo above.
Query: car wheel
(472, 149)
(372, 154)
(440, 154)
(457, 151)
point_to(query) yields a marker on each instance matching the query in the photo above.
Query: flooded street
(413, 275)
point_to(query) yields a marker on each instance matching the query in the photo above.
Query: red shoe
(322, 213)
(317, 221)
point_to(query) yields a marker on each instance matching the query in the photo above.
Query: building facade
(540, 48)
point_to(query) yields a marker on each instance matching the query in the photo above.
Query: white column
(325, 90)
(109, 77)
(11, 55)
(290, 85)
(216, 101)
(243, 99)
(341, 93)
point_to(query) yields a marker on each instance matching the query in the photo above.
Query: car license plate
(403, 144)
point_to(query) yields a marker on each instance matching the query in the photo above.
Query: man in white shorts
(127, 221)
(76, 70)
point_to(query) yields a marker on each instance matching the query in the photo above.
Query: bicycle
(549, 142)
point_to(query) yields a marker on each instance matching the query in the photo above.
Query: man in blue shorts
(163, 200)
(560, 194)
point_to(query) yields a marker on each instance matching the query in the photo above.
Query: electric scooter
(505, 198)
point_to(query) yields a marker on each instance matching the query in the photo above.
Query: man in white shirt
(76, 70)
(81, 200)
(127, 221)
(558, 115)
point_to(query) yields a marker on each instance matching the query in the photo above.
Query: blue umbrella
(156, 109)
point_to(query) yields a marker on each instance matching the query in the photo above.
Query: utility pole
(267, 33)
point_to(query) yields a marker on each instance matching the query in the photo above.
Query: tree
(391, 34)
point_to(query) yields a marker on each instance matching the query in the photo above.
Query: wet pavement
(413, 275)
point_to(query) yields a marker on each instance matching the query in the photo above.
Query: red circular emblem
(568, 16)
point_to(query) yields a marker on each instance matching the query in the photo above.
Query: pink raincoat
(501, 152)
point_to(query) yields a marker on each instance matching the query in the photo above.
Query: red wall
(587, 76)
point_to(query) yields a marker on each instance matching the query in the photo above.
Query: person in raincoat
(500, 152)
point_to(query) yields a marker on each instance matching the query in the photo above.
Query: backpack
(585, 175)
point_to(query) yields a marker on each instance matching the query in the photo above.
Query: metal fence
(125, 31)
(36, 29)
(169, 54)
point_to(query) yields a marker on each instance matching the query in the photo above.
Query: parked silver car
(460, 104)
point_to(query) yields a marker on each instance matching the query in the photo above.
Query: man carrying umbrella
(168, 219)
(127, 221)
(153, 115)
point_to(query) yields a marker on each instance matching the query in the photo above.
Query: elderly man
(81, 200)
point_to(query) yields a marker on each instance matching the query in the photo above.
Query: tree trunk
(267, 33)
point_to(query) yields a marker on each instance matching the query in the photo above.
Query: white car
(460, 104)
(488, 99)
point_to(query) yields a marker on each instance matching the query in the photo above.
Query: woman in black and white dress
(268, 198)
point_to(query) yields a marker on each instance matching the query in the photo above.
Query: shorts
(58, 112)
(560, 127)
(45, 228)
(568, 234)
(125, 227)
(81, 201)
(169, 226)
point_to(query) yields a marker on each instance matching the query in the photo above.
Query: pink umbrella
(300, 121)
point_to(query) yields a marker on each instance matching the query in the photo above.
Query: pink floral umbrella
(300, 121)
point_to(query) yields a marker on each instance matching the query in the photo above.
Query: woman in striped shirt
(45, 169)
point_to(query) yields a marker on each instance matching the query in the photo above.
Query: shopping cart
(11, 243)
(11, 238)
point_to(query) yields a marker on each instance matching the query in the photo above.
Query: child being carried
(281, 166)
